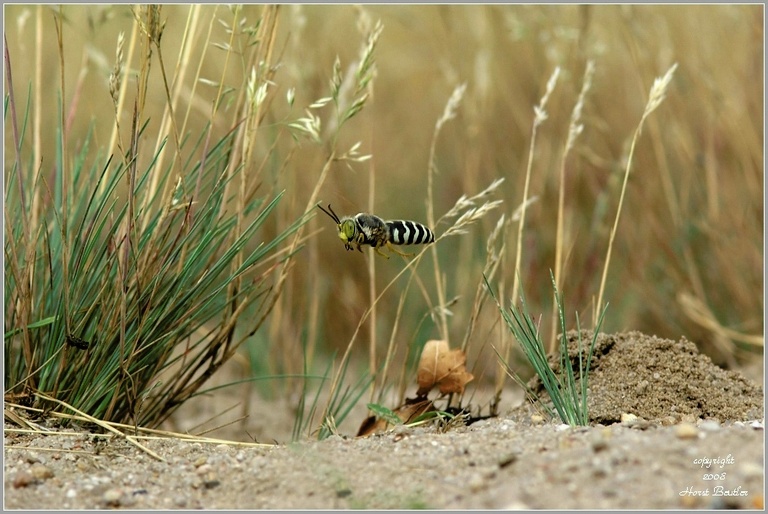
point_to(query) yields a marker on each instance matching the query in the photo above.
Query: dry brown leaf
(372, 425)
(439, 365)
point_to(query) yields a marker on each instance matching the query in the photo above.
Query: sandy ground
(669, 430)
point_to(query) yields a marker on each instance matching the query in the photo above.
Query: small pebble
(599, 443)
(537, 418)
(506, 425)
(505, 460)
(41, 472)
(601, 468)
(476, 482)
(112, 496)
(686, 431)
(640, 424)
(211, 481)
(710, 425)
(200, 461)
(129, 500)
(627, 418)
(689, 418)
(667, 421)
(23, 478)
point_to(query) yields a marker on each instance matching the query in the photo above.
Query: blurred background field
(688, 255)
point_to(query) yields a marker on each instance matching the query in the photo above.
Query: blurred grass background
(688, 258)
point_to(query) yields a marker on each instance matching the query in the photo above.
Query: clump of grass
(130, 303)
(569, 398)
(127, 284)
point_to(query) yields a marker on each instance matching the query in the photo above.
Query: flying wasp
(367, 229)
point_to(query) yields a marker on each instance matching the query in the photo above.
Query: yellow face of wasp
(347, 230)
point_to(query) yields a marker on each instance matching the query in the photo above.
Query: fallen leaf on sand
(439, 365)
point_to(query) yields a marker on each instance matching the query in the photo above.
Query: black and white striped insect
(367, 229)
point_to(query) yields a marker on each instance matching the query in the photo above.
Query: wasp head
(347, 230)
(346, 226)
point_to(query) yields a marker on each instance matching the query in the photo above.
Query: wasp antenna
(335, 216)
(332, 214)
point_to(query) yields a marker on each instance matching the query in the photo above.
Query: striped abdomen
(402, 232)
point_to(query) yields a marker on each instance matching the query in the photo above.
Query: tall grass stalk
(448, 114)
(540, 115)
(493, 258)
(365, 25)
(348, 102)
(656, 96)
(574, 129)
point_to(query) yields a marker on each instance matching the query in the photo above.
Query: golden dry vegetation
(688, 254)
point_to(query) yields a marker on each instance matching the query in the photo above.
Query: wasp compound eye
(347, 229)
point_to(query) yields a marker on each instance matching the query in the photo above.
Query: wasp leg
(378, 250)
(395, 250)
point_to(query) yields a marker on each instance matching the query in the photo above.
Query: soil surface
(669, 430)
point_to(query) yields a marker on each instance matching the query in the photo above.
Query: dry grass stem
(140, 433)
(540, 114)
(574, 129)
(657, 95)
(104, 425)
(702, 315)
(449, 112)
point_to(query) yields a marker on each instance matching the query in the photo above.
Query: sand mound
(660, 380)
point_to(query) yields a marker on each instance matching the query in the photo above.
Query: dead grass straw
(657, 95)
(574, 129)
(118, 430)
